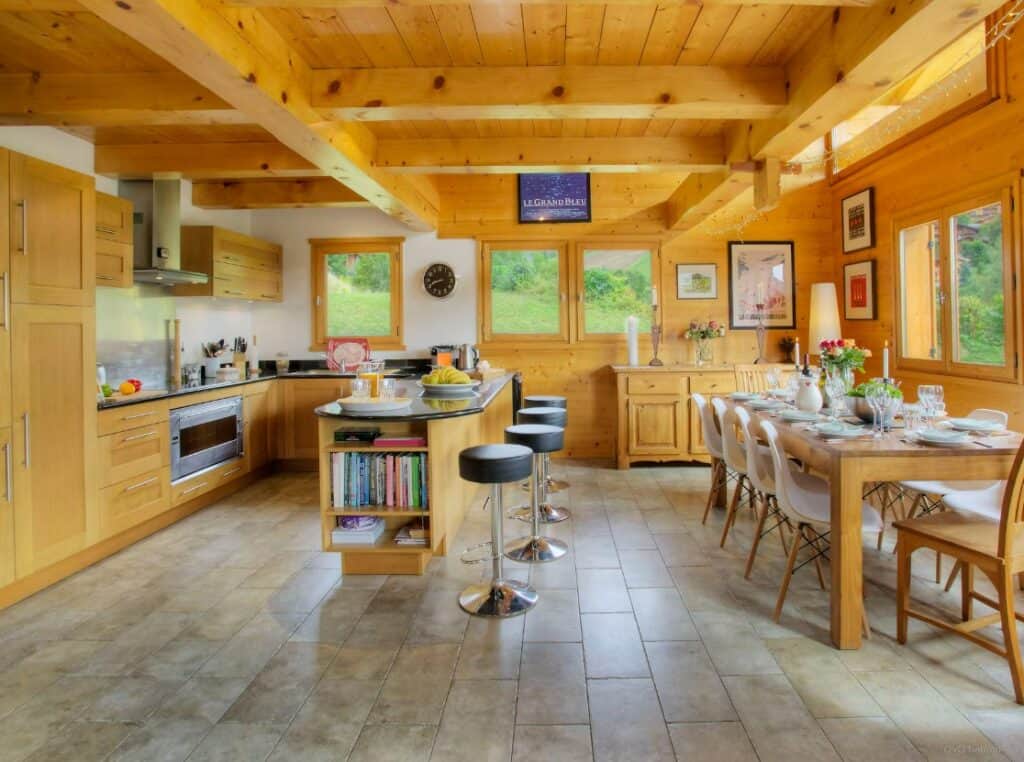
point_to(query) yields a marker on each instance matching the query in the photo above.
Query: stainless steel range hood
(158, 232)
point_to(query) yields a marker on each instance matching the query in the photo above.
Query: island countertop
(425, 407)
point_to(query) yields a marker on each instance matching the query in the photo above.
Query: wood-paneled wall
(978, 147)
(580, 371)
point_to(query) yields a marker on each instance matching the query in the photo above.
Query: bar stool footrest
(535, 550)
(549, 514)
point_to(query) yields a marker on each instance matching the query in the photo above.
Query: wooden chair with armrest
(995, 548)
(754, 377)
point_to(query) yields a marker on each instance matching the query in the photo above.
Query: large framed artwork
(696, 281)
(547, 198)
(761, 272)
(859, 290)
(859, 221)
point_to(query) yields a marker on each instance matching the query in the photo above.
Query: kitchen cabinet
(298, 438)
(5, 289)
(206, 481)
(6, 509)
(54, 433)
(53, 234)
(114, 238)
(257, 415)
(130, 453)
(123, 418)
(658, 421)
(239, 266)
(128, 503)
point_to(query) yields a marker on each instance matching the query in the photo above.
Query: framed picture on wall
(859, 221)
(859, 290)
(696, 281)
(761, 272)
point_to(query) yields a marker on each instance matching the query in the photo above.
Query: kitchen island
(446, 425)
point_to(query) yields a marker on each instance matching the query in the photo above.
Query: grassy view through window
(977, 256)
(616, 284)
(524, 291)
(358, 294)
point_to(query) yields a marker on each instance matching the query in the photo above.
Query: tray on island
(373, 404)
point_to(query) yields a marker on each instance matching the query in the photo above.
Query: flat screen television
(547, 198)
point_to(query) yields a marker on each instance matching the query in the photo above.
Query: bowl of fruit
(447, 381)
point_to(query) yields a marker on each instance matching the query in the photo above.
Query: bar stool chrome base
(535, 550)
(553, 485)
(498, 599)
(549, 514)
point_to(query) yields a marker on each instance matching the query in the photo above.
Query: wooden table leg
(847, 562)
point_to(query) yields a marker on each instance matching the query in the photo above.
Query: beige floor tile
(644, 568)
(165, 738)
(415, 690)
(249, 650)
(552, 685)
(679, 549)
(130, 699)
(734, 646)
(704, 588)
(277, 692)
(602, 590)
(381, 629)
(334, 619)
(556, 575)
(477, 723)
(438, 620)
(688, 686)
(612, 646)
(555, 618)
(565, 743)
(869, 739)
(594, 551)
(827, 687)
(394, 743)
(661, 615)
(491, 650)
(203, 698)
(230, 741)
(720, 741)
(627, 722)
(83, 742)
(362, 662)
(1005, 728)
(329, 723)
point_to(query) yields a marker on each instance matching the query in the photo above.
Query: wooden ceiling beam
(201, 160)
(853, 59)
(551, 92)
(239, 56)
(122, 99)
(511, 155)
(299, 4)
(274, 194)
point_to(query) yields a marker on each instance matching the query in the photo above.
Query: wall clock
(439, 280)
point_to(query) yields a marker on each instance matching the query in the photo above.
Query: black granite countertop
(426, 407)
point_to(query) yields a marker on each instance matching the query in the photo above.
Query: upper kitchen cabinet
(239, 266)
(53, 234)
(114, 239)
(5, 289)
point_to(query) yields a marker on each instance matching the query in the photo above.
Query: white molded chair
(735, 460)
(713, 443)
(806, 502)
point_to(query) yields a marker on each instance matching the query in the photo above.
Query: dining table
(850, 464)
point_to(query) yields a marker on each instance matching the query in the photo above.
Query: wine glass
(876, 394)
(836, 388)
(772, 378)
(925, 395)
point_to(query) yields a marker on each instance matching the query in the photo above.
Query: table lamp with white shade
(824, 316)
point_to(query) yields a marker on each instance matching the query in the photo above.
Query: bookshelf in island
(390, 492)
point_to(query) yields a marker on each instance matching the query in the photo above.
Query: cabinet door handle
(24, 225)
(105, 229)
(7, 300)
(226, 474)
(269, 296)
(28, 439)
(7, 472)
(140, 485)
(137, 415)
(139, 436)
(105, 277)
(193, 489)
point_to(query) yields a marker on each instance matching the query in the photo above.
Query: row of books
(387, 480)
(366, 530)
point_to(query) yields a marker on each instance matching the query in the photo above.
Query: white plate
(798, 416)
(448, 388)
(833, 430)
(942, 438)
(743, 396)
(781, 394)
(373, 404)
(765, 404)
(974, 424)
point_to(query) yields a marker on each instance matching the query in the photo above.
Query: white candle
(885, 360)
(654, 296)
(797, 351)
(632, 340)
(760, 293)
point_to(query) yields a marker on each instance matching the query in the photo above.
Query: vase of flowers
(841, 357)
(702, 334)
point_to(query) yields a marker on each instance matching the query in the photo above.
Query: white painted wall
(286, 327)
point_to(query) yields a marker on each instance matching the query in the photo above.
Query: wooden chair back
(753, 378)
(1012, 519)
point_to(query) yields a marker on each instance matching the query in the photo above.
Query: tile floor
(231, 637)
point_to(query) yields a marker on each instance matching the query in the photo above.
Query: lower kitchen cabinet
(54, 433)
(258, 416)
(299, 435)
(6, 509)
(128, 503)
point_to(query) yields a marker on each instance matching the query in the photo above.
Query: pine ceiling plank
(602, 128)
(670, 27)
(319, 35)
(544, 28)
(632, 128)
(706, 34)
(547, 128)
(658, 128)
(799, 23)
(458, 30)
(421, 35)
(574, 128)
(583, 33)
(500, 31)
(374, 31)
(463, 128)
(274, 194)
(746, 34)
(624, 33)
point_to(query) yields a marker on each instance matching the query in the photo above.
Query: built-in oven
(205, 435)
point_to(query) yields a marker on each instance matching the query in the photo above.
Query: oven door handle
(211, 413)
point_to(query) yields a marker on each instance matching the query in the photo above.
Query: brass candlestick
(655, 337)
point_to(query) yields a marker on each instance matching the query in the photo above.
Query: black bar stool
(536, 549)
(495, 465)
(544, 416)
(549, 400)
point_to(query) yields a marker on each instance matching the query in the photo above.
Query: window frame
(580, 312)
(487, 334)
(319, 248)
(1003, 191)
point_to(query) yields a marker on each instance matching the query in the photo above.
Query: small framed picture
(859, 290)
(696, 281)
(761, 284)
(859, 221)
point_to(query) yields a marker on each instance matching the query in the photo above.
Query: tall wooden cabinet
(6, 508)
(5, 288)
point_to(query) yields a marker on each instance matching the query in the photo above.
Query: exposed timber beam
(273, 194)
(853, 59)
(241, 58)
(767, 184)
(551, 92)
(511, 155)
(38, 5)
(298, 4)
(123, 99)
(201, 160)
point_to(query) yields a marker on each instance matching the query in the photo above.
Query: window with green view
(616, 284)
(976, 259)
(525, 295)
(358, 294)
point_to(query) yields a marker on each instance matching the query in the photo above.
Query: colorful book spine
(380, 480)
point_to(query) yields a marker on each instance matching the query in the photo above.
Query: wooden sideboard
(658, 421)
